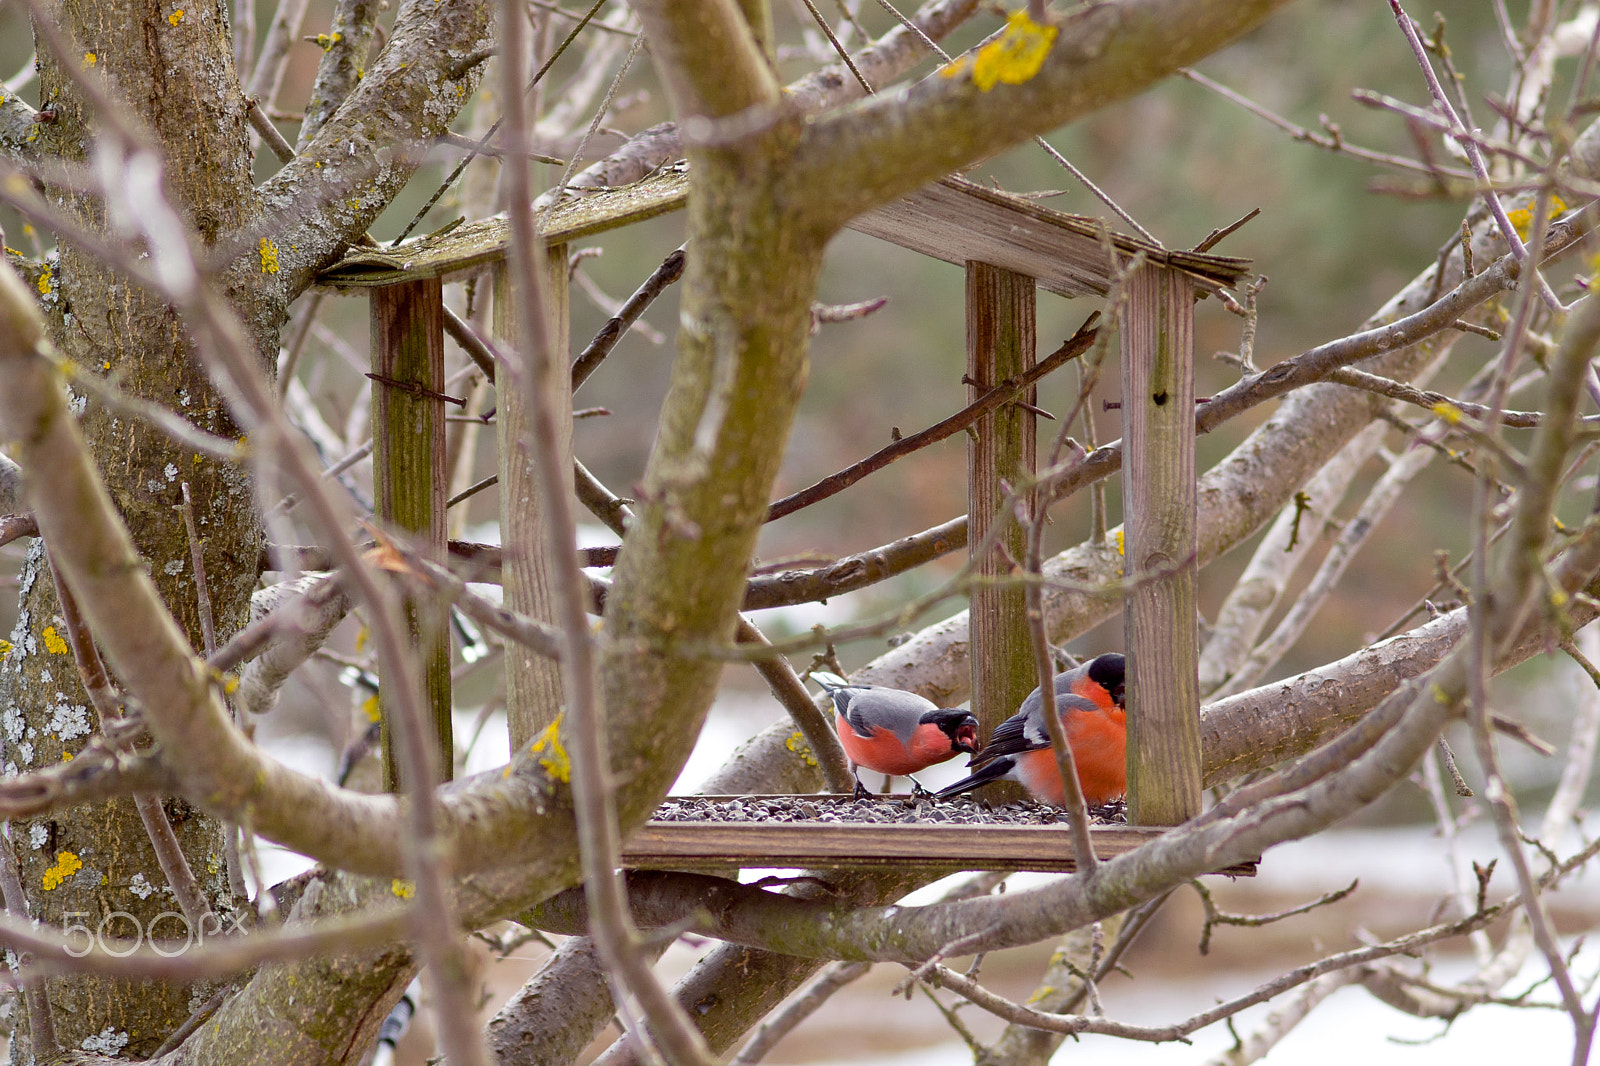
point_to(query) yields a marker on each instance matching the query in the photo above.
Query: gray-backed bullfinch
(893, 731)
(1089, 700)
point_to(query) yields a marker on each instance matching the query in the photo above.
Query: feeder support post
(409, 477)
(533, 683)
(1160, 548)
(1001, 345)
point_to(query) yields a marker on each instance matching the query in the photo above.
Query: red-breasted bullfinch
(893, 731)
(1089, 700)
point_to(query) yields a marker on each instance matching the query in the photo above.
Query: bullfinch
(1089, 700)
(893, 731)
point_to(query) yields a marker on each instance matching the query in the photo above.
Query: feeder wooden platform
(707, 844)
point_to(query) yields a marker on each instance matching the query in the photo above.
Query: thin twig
(539, 637)
(274, 59)
(1448, 827)
(1079, 1023)
(455, 140)
(296, 343)
(1523, 560)
(262, 124)
(670, 270)
(472, 490)
(1448, 759)
(208, 629)
(1044, 662)
(844, 54)
(1099, 193)
(798, 1008)
(1351, 538)
(1002, 393)
(199, 1017)
(1469, 144)
(480, 351)
(1217, 236)
(1061, 160)
(1320, 140)
(560, 186)
(1216, 916)
(1446, 407)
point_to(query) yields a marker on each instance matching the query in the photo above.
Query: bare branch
(344, 60)
(329, 195)
(670, 270)
(945, 122)
(999, 395)
(797, 1010)
(1331, 141)
(267, 75)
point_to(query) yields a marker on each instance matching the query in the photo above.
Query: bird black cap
(1110, 672)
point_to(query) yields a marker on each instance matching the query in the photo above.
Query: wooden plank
(957, 221)
(952, 219)
(474, 245)
(408, 471)
(1161, 542)
(1046, 848)
(1001, 344)
(534, 693)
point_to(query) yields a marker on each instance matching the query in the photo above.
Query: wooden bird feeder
(1010, 247)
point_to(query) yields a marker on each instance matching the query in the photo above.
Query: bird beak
(966, 739)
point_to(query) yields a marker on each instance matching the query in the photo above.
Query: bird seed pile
(829, 809)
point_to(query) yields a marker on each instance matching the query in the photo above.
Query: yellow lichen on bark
(53, 642)
(554, 759)
(797, 744)
(67, 864)
(1015, 56)
(1522, 218)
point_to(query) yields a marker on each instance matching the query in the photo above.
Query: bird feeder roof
(952, 219)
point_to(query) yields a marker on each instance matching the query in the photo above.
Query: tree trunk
(93, 866)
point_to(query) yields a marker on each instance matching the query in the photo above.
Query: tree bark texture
(177, 84)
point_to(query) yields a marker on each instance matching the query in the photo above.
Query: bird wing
(992, 770)
(1026, 730)
(869, 708)
(1010, 737)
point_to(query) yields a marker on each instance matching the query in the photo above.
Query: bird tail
(993, 770)
(829, 680)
